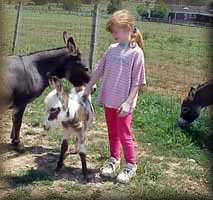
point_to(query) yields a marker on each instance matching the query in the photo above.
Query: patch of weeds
(44, 183)
(148, 170)
(175, 39)
(148, 35)
(165, 166)
(72, 186)
(192, 172)
(152, 80)
(19, 194)
(100, 148)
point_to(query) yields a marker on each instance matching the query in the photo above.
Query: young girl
(122, 72)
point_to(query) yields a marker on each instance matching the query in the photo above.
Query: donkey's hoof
(86, 179)
(19, 147)
(15, 142)
(56, 171)
(58, 168)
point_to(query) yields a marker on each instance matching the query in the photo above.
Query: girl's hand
(87, 92)
(124, 109)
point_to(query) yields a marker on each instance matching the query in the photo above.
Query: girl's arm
(127, 105)
(92, 81)
(97, 74)
(138, 80)
(133, 93)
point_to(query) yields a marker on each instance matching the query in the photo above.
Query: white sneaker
(127, 173)
(110, 167)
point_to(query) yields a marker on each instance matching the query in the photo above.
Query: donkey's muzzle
(182, 122)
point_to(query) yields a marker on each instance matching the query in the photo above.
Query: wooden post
(93, 43)
(16, 31)
(175, 17)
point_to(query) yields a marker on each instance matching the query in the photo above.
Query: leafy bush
(72, 4)
(113, 5)
(160, 10)
(40, 2)
(143, 10)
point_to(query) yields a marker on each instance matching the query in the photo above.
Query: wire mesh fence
(42, 29)
(176, 57)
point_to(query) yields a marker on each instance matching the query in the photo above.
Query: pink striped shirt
(120, 68)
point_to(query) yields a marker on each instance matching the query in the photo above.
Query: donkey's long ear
(65, 37)
(62, 95)
(55, 83)
(192, 93)
(71, 46)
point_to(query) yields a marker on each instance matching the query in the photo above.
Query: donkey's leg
(64, 148)
(82, 153)
(84, 165)
(17, 121)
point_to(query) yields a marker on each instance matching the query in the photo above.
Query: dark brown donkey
(197, 98)
(25, 77)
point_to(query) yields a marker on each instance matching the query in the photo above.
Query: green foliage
(156, 116)
(40, 2)
(189, 2)
(143, 10)
(160, 10)
(113, 5)
(72, 4)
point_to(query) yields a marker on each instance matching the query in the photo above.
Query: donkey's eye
(185, 110)
(52, 110)
(54, 113)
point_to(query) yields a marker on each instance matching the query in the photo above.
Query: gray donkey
(74, 113)
(197, 98)
(25, 77)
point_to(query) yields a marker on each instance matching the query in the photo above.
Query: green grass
(155, 117)
(194, 173)
(148, 171)
(155, 121)
(184, 41)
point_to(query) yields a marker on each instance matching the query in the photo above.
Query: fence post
(16, 31)
(93, 42)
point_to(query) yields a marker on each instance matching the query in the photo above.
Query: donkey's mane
(41, 51)
(200, 86)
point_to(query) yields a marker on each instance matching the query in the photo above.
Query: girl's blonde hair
(124, 19)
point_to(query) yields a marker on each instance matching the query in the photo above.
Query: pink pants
(119, 133)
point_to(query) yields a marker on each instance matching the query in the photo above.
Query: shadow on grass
(46, 160)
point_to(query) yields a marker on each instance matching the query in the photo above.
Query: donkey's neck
(204, 95)
(48, 61)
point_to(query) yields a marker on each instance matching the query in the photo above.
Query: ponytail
(137, 37)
